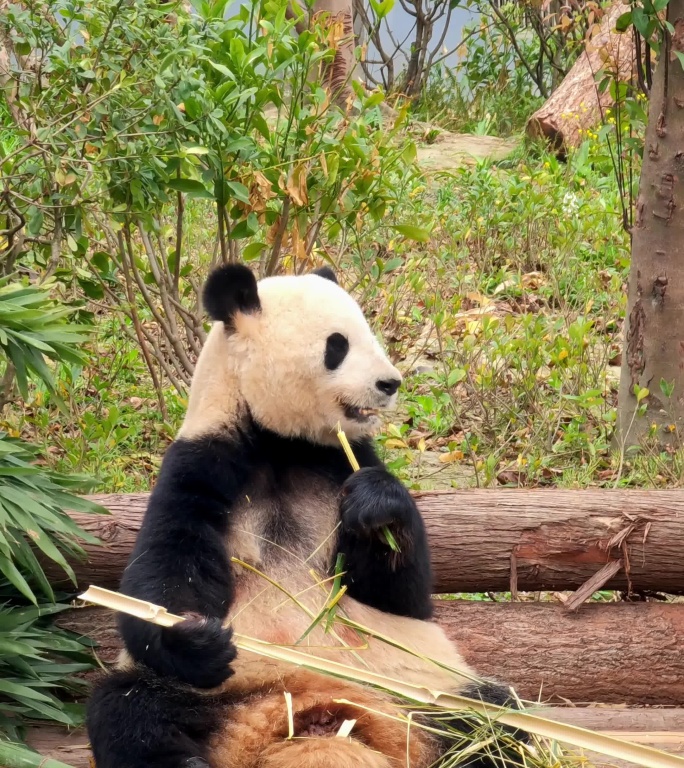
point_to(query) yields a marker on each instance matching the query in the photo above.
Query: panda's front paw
(372, 498)
(202, 650)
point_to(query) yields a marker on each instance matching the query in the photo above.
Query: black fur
(336, 348)
(229, 289)
(180, 561)
(139, 720)
(326, 273)
(398, 583)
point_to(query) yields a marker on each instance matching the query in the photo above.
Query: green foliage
(150, 119)
(32, 503)
(505, 321)
(646, 19)
(624, 125)
(35, 662)
(138, 101)
(33, 329)
(17, 756)
(485, 94)
(8, 137)
(510, 317)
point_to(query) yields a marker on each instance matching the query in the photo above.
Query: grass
(510, 319)
(506, 324)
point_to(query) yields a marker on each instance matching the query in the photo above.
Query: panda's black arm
(394, 582)
(180, 562)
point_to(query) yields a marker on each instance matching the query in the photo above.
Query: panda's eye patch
(336, 348)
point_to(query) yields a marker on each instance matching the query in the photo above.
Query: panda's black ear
(229, 289)
(327, 273)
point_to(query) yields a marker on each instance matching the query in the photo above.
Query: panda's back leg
(136, 719)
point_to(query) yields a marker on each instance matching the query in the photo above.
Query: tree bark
(485, 540)
(653, 356)
(617, 653)
(576, 104)
(343, 67)
(611, 653)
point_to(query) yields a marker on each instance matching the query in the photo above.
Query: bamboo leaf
(17, 756)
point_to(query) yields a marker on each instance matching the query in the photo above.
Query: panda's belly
(294, 614)
(281, 546)
(255, 730)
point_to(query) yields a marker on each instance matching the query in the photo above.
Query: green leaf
(18, 756)
(641, 393)
(12, 688)
(667, 387)
(190, 187)
(640, 20)
(195, 150)
(239, 191)
(381, 9)
(261, 125)
(253, 251)
(13, 575)
(245, 228)
(456, 375)
(374, 99)
(409, 154)
(419, 234)
(624, 22)
(392, 264)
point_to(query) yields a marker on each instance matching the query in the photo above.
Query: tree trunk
(485, 540)
(614, 653)
(653, 356)
(343, 67)
(576, 104)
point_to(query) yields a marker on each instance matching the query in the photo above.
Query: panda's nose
(388, 386)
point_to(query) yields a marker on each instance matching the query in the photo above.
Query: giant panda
(254, 496)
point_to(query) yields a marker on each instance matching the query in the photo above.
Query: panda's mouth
(355, 413)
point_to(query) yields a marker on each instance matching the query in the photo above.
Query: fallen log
(612, 653)
(576, 105)
(486, 540)
(642, 725)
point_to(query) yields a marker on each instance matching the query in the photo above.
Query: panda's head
(296, 351)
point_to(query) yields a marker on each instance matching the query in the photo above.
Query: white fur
(273, 362)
